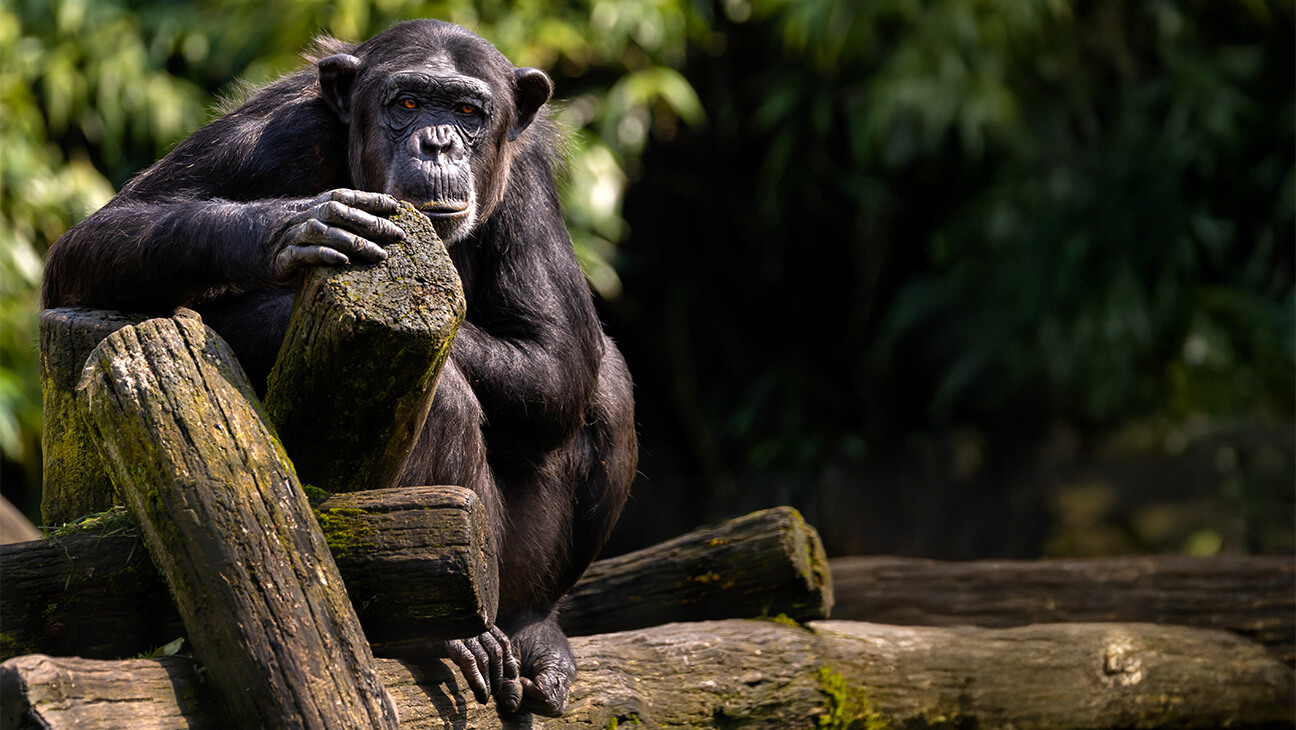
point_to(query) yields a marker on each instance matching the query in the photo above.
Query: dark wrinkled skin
(533, 409)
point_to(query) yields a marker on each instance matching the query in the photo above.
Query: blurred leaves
(1094, 253)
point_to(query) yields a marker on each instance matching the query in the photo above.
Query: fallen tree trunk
(416, 562)
(763, 674)
(380, 330)
(1253, 596)
(228, 526)
(763, 564)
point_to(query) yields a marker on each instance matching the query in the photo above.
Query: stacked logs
(281, 589)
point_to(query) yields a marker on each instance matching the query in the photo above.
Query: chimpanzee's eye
(408, 102)
(467, 109)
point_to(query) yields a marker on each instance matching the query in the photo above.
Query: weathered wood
(365, 344)
(764, 674)
(1253, 596)
(762, 564)
(91, 593)
(228, 526)
(74, 482)
(37, 691)
(416, 561)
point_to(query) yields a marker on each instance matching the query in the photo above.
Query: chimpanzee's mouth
(444, 209)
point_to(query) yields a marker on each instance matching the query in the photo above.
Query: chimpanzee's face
(432, 111)
(436, 123)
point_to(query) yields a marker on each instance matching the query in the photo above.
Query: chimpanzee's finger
(511, 666)
(496, 654)
(292, 258)
(483, 659)
(467, 663)
(379, 203)
(336, 213)
(318, 233)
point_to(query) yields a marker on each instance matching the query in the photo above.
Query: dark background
(955, 282)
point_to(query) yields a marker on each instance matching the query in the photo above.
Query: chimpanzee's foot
(548, 667)
(489, 666)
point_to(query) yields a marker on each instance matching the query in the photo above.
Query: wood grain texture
(74, 482)
(1253, 596)
(228, 526)
(416, 561)
(836, 674)
(762, 564)
(355, 376)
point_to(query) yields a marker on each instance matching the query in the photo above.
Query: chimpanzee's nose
(435, 142)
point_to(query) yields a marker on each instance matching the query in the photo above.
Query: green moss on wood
(345, 533)
(315, 494)
(848, 705)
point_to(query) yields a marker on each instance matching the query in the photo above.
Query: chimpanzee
(533, 410)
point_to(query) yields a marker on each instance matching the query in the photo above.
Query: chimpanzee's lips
(438, 208)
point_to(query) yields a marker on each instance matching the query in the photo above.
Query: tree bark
(74, 483)
(764, 674)
(381, 332)
(1252, 596)
(416, 561)
(228, 526)
(762, 564)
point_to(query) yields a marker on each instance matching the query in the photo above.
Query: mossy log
(416, 562)
(766, 563)
(355, 376)
(765, 674)
(74, 482)
(230, 529)
(1253, 596)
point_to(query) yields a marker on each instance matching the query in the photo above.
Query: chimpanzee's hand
(489, 667)
(334, 228)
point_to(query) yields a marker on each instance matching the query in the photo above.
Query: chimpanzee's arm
(160, 254)
(235, 206)
(532, 343)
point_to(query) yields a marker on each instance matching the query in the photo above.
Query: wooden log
(74, 483)
(228, 526)
(762, 564)
(1254, 596)
(355, 376)
(764, 674)
(416, 562)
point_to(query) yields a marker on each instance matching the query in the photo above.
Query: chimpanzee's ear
(336, 73)
(533, 89)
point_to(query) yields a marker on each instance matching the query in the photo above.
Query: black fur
(533, 410)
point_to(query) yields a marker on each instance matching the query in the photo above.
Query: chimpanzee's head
(434, 112)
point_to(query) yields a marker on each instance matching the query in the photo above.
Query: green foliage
(1094, 255)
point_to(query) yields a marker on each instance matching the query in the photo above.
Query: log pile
(281, 596)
